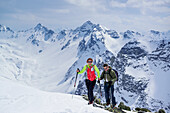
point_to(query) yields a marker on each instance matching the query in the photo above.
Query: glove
(98, 81)
(78, 71)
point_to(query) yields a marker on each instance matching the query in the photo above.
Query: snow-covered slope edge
(17, 98)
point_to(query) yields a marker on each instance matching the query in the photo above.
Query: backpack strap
(93, 66)
(109, 73)
(114, 72)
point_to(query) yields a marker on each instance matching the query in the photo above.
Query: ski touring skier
(110, 77)
(91, 77)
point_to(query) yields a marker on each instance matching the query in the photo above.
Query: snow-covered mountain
(41, 58)
(6, 32)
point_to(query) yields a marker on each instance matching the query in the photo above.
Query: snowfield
(17, 98)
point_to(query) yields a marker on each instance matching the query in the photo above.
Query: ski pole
(75, 81)
(99, 88)
(110, 91)
(76, 78)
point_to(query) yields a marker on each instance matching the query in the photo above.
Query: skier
(90, 77)
(110, 77)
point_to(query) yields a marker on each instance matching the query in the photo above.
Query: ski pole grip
(78, 69)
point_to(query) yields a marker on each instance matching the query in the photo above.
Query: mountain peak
(88, 23)
(39, 26)
(88, 26)
(5, 29)
(154, 32)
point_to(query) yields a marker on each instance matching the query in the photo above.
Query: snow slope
(17, 98)
(23, 62)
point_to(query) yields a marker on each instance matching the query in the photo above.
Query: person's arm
(102, 75)
(83, 70)
(97, 70)
(113, 76)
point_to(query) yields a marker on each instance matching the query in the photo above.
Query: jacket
(109, 76)
(95, 68)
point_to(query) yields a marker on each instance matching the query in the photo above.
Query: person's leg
(113, 97)
(87, 85)
(91, 87)
(106, 88)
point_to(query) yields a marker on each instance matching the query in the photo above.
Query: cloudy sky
(120, 15)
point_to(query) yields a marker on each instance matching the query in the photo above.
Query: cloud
(92, 5)
(84, 3)
(161, 9)
(145, 6)
(118, 4)
(25, 17)
(140, 15)
(63, 11)
(148, 22)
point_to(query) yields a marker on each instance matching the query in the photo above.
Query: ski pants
(90, 86)
(107, 87)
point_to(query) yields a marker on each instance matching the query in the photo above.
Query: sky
(119, 15)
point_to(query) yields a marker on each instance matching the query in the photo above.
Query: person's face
(89, 62)
(106, 68)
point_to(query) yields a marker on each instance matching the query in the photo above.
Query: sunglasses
(89, 62)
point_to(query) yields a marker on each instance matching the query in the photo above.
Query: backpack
(116, 73)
